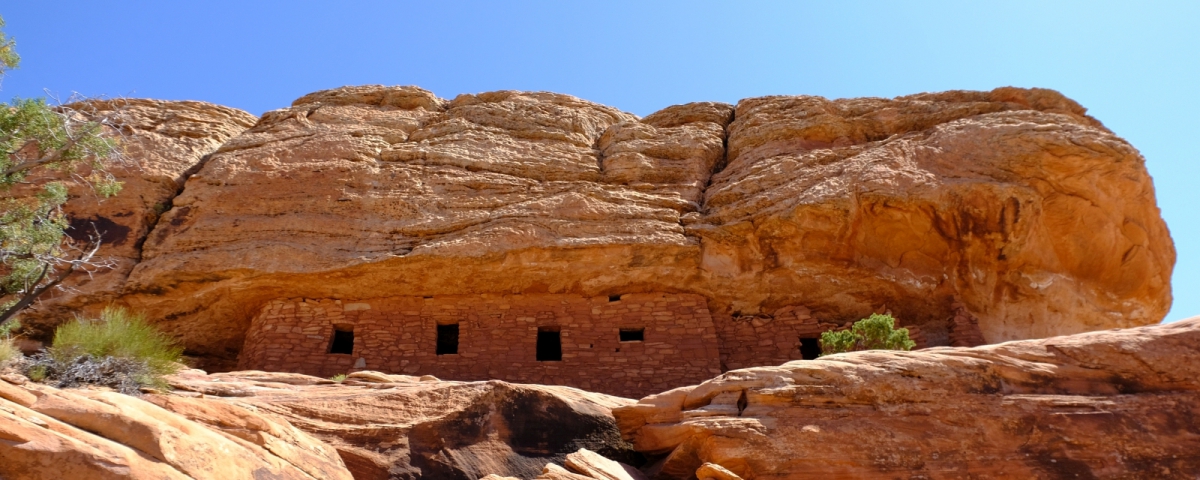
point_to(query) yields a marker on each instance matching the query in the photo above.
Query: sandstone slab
(1110, 404)
(47, 433)
(400, 427)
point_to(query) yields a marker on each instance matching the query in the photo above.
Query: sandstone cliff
(164, 143)
(1010, 207)
(1111, 404)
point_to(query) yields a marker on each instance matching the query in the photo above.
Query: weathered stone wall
(497, 339)
(767, 340)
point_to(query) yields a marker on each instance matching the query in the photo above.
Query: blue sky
(1134, 65)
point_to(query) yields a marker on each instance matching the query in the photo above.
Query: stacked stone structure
(497, 338)
(669, 340)
(964, 328)
(765, 340)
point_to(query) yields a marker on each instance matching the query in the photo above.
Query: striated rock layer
(1010, 212)
(1111, 404)
(163, 142)
(406, 427)
(1012, 202)
(52, 434)
(259, 425)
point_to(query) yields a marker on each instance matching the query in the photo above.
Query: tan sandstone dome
(971, 216)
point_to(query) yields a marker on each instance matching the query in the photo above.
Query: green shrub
(36, 373)
(8, 349)
(119, 350)
(339, 378)
(877, 332)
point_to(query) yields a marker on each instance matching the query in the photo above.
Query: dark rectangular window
(343, 341)
(633, 334)
(447, 339)
(614, 298)
(549, 344)
(810, 348)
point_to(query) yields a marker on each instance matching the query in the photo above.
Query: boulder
(47, 433)
(591, 464)
(405, 428)
(1110, 404)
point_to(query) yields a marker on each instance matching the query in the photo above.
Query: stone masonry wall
(765, 340)
(497, 339)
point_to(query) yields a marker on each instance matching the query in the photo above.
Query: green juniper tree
(877, 332)
(44, 149)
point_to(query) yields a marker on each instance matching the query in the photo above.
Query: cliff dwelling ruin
(629, 345)
(540, 238)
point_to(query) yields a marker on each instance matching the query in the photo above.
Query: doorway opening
(549, 344)
(810, 348)
(343, 340)
(447, 339)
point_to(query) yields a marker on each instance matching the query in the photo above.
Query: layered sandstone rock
(406, 427)
(1010, 210)
(163, 143)
(972, 216)
(53, 434)
(1032, 214)
(1111, 404)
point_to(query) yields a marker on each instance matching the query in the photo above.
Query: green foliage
(119, 350)
(118, 333)
(8, 349)
(339, 378)
(877, 332)
(44, 149)
(7, 329)
(8, 53)
(35, 134)
(37, 373)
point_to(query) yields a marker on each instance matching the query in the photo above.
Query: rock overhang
(1012, 203)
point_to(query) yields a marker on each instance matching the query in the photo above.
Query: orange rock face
(1011, 212)
(53, 434)
(164, 143)
(406, 427)
(1111, 404)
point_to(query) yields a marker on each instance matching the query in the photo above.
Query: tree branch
(53, 156)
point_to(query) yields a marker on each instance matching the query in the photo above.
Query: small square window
(633, 334)
(447, 339)
(549, 344)
(343, 341)
(810, 348)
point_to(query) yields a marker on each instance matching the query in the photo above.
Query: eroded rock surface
(1010, 212)
(1110, 404)
(405, 427)
(1012, 205)
(53, 434)
(163, 142)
